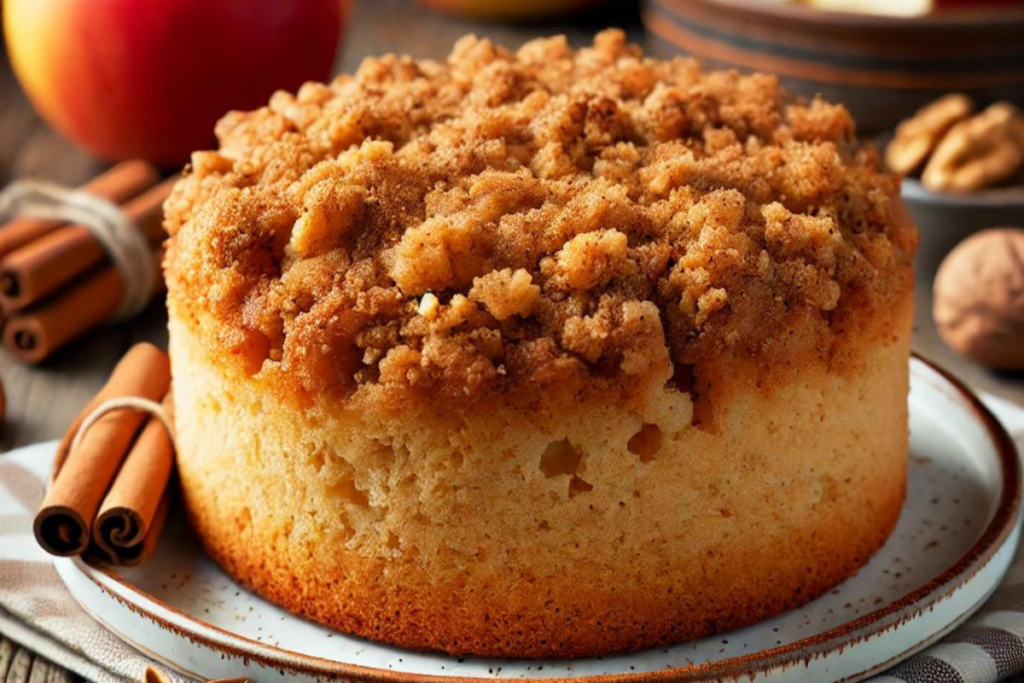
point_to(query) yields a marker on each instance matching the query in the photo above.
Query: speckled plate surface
(954, 541)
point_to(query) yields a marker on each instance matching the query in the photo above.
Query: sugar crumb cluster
(545, 215)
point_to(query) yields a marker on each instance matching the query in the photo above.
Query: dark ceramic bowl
(881, 68)
(944, 220)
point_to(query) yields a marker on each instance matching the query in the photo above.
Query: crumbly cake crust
(542, 223)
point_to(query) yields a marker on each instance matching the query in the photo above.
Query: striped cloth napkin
(37, 610)
(989, 648)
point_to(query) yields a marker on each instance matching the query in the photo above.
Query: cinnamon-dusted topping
(506, 218)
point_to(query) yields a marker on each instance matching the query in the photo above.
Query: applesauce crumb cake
(540, 353)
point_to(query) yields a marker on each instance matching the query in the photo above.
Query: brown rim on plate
(799, 652)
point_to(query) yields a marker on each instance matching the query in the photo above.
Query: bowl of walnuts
(963, 171)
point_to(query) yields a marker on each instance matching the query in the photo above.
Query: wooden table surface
(42, 400)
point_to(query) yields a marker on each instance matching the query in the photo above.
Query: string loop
(125, 402)
(124, 243)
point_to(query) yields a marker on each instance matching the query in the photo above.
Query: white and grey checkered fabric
(989, 648)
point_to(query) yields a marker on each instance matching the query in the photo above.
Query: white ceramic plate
(954, 541)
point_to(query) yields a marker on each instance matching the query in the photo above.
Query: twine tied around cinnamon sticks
(127, 247)
(109, 490)
(72, 259)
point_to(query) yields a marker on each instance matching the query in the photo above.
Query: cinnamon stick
(153, 675)
(126, 516)
(31, 272)
(120, 183)
(63, 524)
(34, 334)
(140, 552)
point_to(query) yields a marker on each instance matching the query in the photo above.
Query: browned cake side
(544, 353)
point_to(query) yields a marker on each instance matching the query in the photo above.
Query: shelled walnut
(917, 137)
(959, 152)
(979, 298)
(979, 152)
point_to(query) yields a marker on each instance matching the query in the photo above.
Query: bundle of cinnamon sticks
(56, 281)
(109, 492)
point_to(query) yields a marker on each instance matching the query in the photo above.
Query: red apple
(150, 78)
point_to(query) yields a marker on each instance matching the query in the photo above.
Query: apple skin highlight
(126, 79)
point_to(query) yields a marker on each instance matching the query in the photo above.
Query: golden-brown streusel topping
(545, 215)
